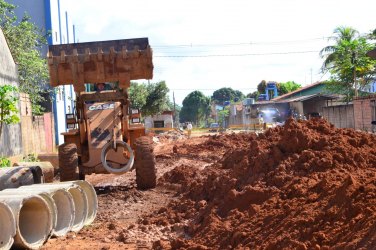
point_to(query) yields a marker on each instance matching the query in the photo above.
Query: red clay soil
(306, 185)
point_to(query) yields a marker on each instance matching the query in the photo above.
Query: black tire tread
(146, 175)
(68, 162)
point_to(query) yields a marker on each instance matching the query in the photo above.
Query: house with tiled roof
(312, 89)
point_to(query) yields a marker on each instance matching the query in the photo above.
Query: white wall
(10, 140)
(37, 11)
(168, 121)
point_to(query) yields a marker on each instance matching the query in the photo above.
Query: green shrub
(4, 162)
(30, 158)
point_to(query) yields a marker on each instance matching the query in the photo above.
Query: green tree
(222, 115)
(284, 88)
(226, 94)
(25, 41)
(8, 106)
(372, 35)
(150, 98)
(254, 95)
(196, 108)
(347, 62)
(138, 93)
(157, 99)
(261, 87)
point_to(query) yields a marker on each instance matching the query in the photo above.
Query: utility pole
(353, 60)
(173, 98)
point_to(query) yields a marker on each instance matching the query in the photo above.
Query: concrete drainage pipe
(64, 204)
(50, 202)
(7, 227)
(33, 219)
(14, 177)
(48, 170)
(91, 199)
(79, 200)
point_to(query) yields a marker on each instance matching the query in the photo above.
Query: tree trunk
(355, 84)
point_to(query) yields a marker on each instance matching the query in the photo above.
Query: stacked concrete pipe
(33, 219)
(80, 201)
(48, 170)
(91, 199)
(31, 214)
(7, 226)
(13, 177)
(60, 202)
(50, 202)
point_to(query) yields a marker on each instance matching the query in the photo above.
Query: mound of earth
(306, 185)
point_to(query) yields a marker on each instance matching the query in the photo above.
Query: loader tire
(146, 174)
(68, 162)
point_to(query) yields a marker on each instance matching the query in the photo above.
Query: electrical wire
(210, 89)
(246, 54)
(191, 45)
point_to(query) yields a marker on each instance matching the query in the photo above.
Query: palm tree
(332, 53)
(346, 59)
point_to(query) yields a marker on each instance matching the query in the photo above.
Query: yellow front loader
(105, 135)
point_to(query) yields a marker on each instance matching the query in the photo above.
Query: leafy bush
(4, 162)
(30, 158)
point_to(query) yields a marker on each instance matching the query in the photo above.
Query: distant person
(189, 128)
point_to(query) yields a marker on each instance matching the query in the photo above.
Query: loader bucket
(104, 61)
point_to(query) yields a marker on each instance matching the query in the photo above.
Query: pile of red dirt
(306, 185)
(210, 148)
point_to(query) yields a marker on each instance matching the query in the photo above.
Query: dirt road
(306, 185)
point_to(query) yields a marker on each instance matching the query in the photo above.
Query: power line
(190, 45)
(247, 54)
(210, 89)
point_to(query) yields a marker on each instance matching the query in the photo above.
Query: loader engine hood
(103, 119)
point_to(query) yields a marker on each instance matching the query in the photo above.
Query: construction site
(306, 185)
(289, 171)
(303, 184)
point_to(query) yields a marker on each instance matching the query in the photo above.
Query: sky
(209, 44)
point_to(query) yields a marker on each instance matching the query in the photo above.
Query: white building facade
(52, 18)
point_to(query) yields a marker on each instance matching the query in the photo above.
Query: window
(158, 124)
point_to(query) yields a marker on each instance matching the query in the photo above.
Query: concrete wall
(10, 140)
(168, 121)
(236, 114)
(364, 112)
(314, 105)
(37, 131)
(297, 106)
(341, 116)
